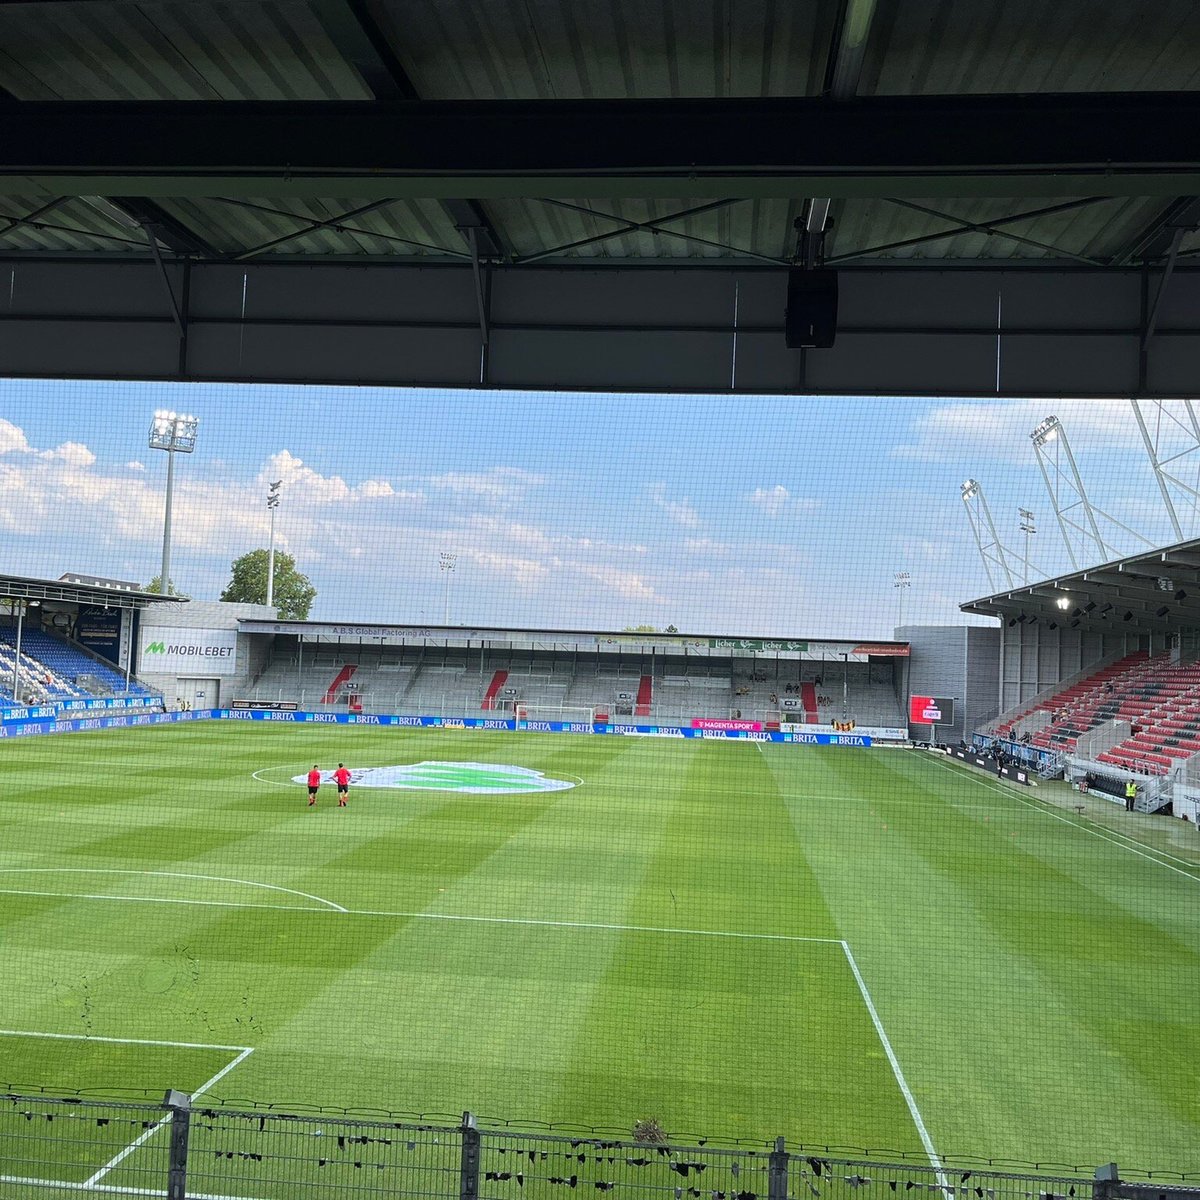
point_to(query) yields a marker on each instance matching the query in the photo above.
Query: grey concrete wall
(209, 614)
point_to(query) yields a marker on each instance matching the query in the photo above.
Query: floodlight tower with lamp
(1028, 527)
(991, 549)
(176, 434)
(1067, 494)
(272, 505)
(902, 581)
(446, 561)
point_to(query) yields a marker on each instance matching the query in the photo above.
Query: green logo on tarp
(489, 779)
(156, 648)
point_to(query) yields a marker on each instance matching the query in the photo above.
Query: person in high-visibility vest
(1130, 795)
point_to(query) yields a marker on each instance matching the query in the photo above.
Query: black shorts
(312, 791)
(343, 788)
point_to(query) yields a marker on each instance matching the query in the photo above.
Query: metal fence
(62, 1146)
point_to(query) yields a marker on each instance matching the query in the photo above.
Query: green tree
(155, 585)
(294, 593)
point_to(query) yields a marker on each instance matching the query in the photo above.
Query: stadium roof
(505, 142)
(592, 639)
(1156, 591)
(110, 594)
(269, 129)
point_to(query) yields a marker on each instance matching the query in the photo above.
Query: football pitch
(855, 948)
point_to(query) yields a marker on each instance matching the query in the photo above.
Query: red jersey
(342, 777)
(314, 778)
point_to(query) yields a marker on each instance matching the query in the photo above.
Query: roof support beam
(354, 32)
(169, 230)
(1154, 241)
(1110, 144)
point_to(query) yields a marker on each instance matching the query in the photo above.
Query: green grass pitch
(838, 945)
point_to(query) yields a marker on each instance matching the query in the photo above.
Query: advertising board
(167, 651)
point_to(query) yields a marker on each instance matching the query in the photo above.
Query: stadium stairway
(645, 695)
(493, 690)
(340, 680)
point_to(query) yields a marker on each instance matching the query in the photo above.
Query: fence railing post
(468, 1174)
(777, 1178)
(179, 1105)
(1107, 1178)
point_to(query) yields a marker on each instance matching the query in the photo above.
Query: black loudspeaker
(812, 303)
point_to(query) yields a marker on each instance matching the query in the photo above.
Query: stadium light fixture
(1046, 431)
(272, 505)
(176, 434)
(446, 563)
(1028, 527)
(1063, 602)
(970, 489)
(902, 581)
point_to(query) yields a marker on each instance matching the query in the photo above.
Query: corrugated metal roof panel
(944, 47)
(880, 229)
(335, 226)
(560, 49)
(69, 226)
(270, 50)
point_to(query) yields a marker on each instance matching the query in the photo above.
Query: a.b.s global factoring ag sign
(931, 710)
(168, 651)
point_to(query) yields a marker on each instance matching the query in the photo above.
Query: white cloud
(76, 454)
(303, 485)
(777, 501)
(500, 483)
(134, 465)
(1000, 428)
(682, 512)
(627, 584)
(11, 438)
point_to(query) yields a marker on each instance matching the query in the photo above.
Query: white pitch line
(919, 1121)
(428, 916)
(273, 782)
(100, 1189)
(274, 887)
(91, 1037)
(117, 1159)
(1102, 835)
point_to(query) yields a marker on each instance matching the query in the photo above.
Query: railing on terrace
(64, 1145)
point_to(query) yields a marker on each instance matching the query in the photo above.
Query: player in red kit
(342, 778)
(314, 782)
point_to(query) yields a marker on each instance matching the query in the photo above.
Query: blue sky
(774, 516)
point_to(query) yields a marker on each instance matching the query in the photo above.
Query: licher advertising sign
(930, 710)
(169, 651)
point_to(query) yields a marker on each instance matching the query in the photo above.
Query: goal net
(576, 714)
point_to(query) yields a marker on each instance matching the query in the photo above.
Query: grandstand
(1128, 702)
(61, 639)
(455, 672)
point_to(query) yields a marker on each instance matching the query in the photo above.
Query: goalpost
(576, 714)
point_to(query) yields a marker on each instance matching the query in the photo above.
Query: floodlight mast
(991, 549)
(1184, 436)
(446, 561)
(1028, 527)
(176, 434)
(1051, 434)
(272, 505)
(902, 581)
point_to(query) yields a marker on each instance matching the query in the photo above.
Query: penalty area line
(117, 1159)
(428, 916)
(909, 1099)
